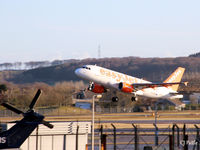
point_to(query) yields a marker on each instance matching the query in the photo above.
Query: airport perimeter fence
(175, 137)
(57, 112)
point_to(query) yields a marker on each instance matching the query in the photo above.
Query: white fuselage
(111, 79)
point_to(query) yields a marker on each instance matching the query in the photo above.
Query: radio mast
(99, 51)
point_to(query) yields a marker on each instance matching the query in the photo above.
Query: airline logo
(119, 77)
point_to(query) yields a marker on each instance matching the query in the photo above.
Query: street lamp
(93, 99)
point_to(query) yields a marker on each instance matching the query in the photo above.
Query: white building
(64, 136)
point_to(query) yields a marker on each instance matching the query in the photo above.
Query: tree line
(62, 94)
(21, 95)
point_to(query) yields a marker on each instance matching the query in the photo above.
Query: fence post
(197, 136)
(136, 136)
(101, 133)
(178, 137)
(100, 136)
(64, 142)
(77, 137)
(103, 142)
(171, 146)
(156, 134)
(185, 138)
(173, 128)
(115, 143)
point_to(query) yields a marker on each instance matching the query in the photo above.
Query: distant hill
(154, 69)
(33, 64)
(195, 55)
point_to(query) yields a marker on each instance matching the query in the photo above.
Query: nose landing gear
(133, 99)
(115, 99)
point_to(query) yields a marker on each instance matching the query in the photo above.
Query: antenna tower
(99, 51)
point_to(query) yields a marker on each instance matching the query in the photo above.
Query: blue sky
(37, 30)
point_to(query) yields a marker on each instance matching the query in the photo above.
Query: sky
(40, 30)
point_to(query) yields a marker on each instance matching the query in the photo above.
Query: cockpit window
(85, 67)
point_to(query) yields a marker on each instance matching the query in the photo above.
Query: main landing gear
(133, 99)
(116, 99)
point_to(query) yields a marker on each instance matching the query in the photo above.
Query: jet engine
(125, 87)
(96, 88)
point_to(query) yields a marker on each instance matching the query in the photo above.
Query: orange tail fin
(176, 76)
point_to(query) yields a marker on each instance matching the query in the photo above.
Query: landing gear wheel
(115, 99)
(133, 99)
(91, 86)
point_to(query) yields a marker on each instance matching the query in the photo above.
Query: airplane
(13, 138)
(102, 79)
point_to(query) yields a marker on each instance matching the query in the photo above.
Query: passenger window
(86, 68)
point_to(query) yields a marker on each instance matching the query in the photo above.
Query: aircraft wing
(152, 85)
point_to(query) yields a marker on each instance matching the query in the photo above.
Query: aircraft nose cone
(80, 72)
(77, 71)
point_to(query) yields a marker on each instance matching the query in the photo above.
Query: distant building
(64, 135)
(195, 98)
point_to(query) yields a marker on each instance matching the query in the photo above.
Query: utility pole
(93, 117)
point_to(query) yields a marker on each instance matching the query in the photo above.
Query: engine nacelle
(125, 87)
(176, 97)
(96, 88)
